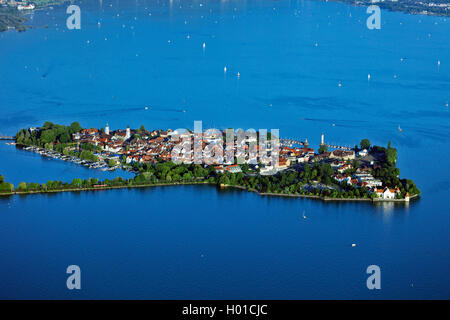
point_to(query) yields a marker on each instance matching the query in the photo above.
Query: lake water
(197, 242)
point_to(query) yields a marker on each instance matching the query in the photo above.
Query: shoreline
(262, 194)
(21, 22)
(321, 180)
(397, 7)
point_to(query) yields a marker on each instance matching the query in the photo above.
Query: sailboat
(303, 215)
(400, 129)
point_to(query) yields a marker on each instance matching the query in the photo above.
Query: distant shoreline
(412, 7)
(12, 18)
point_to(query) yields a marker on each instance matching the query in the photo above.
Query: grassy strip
(203, 183)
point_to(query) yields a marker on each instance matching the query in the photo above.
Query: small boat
(353, 245)
(400, 129)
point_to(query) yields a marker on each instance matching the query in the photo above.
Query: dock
(332, 146)
(291, 142)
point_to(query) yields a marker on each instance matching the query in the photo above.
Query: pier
(332, 146)
(291, 142)
(6, 137)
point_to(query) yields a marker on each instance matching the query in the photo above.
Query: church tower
(128, 135)
(322, 139)
(107, 129)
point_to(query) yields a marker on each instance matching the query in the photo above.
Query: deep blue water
(198, 242)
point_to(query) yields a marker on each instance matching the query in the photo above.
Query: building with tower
(107, 129)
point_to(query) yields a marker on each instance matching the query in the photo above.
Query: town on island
(364, 172)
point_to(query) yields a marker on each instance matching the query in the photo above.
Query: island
(361, 173)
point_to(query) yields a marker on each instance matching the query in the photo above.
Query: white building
(363, 153)
(386, 193)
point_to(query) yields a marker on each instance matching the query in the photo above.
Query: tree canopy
(365, 144)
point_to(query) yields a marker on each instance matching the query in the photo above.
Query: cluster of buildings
(344, 170)
(135, 145)
(143, 146)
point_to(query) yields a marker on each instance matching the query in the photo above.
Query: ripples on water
(199, 242)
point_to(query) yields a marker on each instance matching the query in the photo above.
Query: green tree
(47, 125)
(22, 187)
(87, 155)
(323, 148)
(47, 136)
(391, 154)
(64, 137)
(365, 144)
(76, 183)
(75, 127)
(112, 162)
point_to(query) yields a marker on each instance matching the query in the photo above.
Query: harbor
(100, 165)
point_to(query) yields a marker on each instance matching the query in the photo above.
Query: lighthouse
(128, 134)
(107, 129)
(322, 139)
